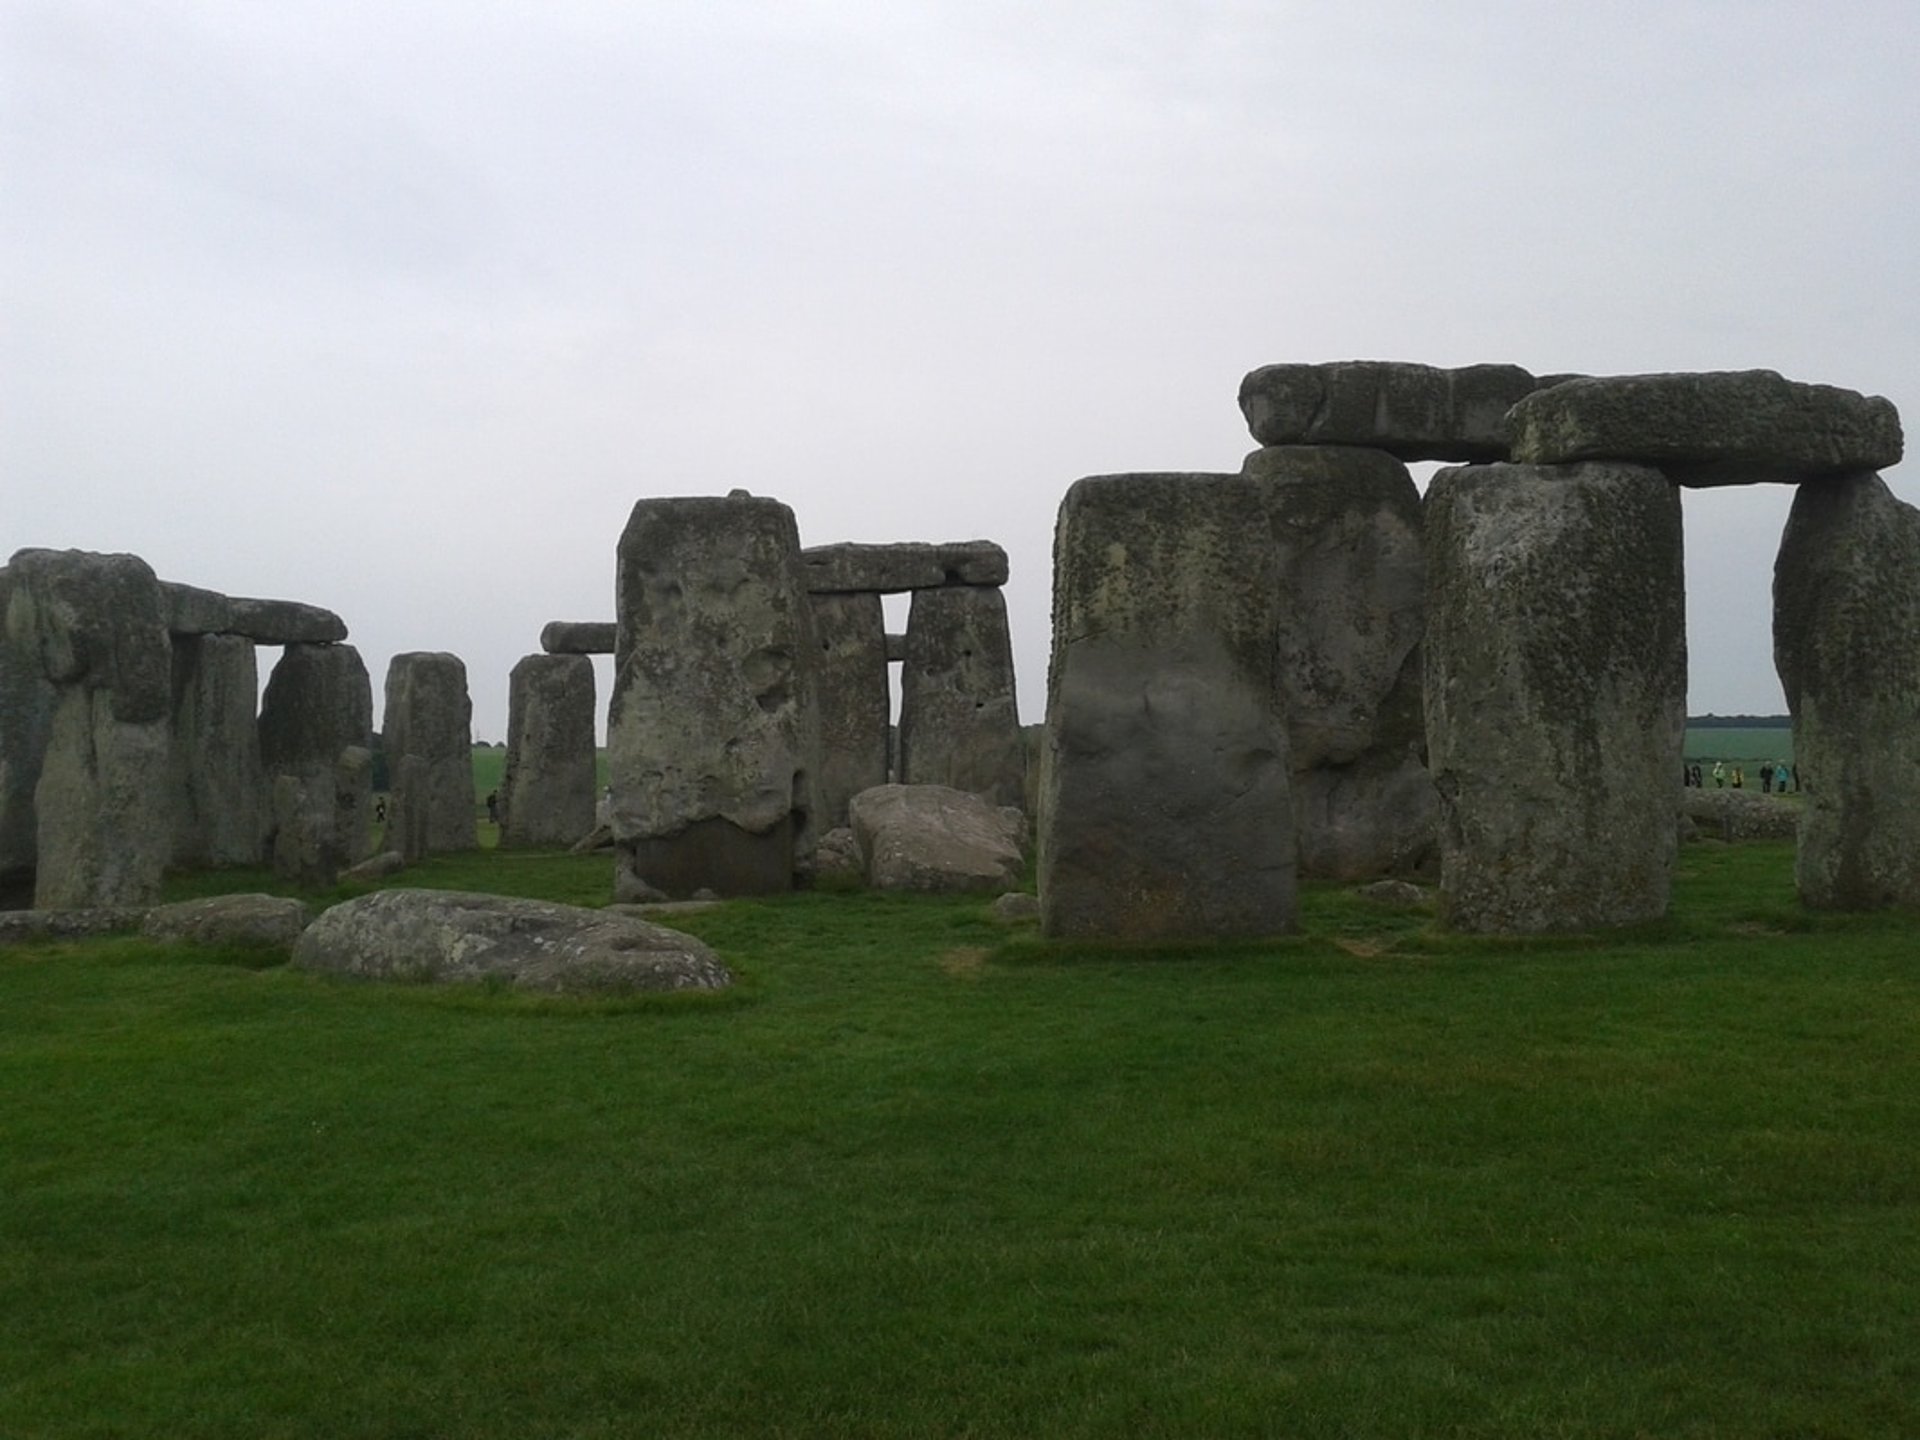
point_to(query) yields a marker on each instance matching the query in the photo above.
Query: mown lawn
(920, 1176)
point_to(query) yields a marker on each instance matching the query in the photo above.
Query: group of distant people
(1776, 777)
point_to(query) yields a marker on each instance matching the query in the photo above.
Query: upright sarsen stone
(316, 734)
(96, 626)
(712, 729)
(26, 712)
(1165, 810)
(850, 633)
(1346, 528)
(429, 717)
(547, 791)
(219, 791)
(1556, 672)
(1846, 641)
(959, 722)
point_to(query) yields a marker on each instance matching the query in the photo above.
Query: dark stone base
(714, 855)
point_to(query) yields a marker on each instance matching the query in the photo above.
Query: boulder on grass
(1738, 815)
(448, 937)
(266, 920)
(931, 838)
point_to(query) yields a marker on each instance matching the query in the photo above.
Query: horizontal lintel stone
(1413, 412)
(193, 611)
(578, 637)
(890, 569)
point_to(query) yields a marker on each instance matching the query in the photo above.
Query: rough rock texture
(429, 718)
(316, 731)
(889, 569)
(96, 626)
(549, 787)
(1846, 641)
(1396, 894)
(1726, 427)
(712, 730)
(1016, 906)
(264, 920)
(25, 927)
(1346, 522)
(1735, 815)
(959, 723)
(1415, 412)
(851, 684)
(193, 611)
(26, 714)
(838, 854)
(932, 838)
(1556, 672)
(578, 637)
(219, 790)
(375, 867)
(443, 937)
(1165, 806)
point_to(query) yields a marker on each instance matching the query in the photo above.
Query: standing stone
(1556, 672)
(1846, 641)
(316, 730)
(96, 626)
(547, 793)
(26, 714)
(959, 724)
(712, 730)
(1346, 523)
(430, 716)
(1165, 811)
(851, 682)
(218, 784)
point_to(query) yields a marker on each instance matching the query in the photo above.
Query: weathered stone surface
(712, 731)
(1414, 412)
(549, 787)
(1165, 807)
(1846, 641)
(838, 855)
(444, 937)
(578, 637)
(959, 722)
(26, 715)
(273, 921)
(1346, 524)
(218, 786)
(1735, 815)
(1395, 894)
(1726, 427)
(193, 611)
(24, 927)
(1015, 907)
(96, 625)
(932, 838)
(598, 838)
(889, 569)
(375, 867)
(851, 684)
(1555, 692)
(429, 718)
(316, 731)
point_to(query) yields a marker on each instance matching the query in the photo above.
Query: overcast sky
(398, 308)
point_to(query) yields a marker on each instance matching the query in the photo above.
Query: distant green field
(1748, 747)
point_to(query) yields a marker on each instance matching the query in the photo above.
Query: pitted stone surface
(1555, 692)
(26, 714)
(1728, 427)
(851, 683)
(96, 626)
(578, 637)
(1346, 527)
(548, 790)
(959, 721)
(1846, 641)
(273, 921)
(429, 720)
(1414, 412)
(218, 785)
(193, 611)
(713, 729)
(889, 569)
(934, 839)
(316, 730)
(444, 937)
(1165, 809)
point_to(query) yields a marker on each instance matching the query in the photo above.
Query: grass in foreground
(927, 1180)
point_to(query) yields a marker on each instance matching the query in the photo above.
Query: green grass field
(1748, 747)
(920, 1176)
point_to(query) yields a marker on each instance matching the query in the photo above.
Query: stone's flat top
(1413, 412)
(1720, 427)
(888, 569)
(193, 611)
(578, 637)
(442, 936)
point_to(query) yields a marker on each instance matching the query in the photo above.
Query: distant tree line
(1739, 722)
